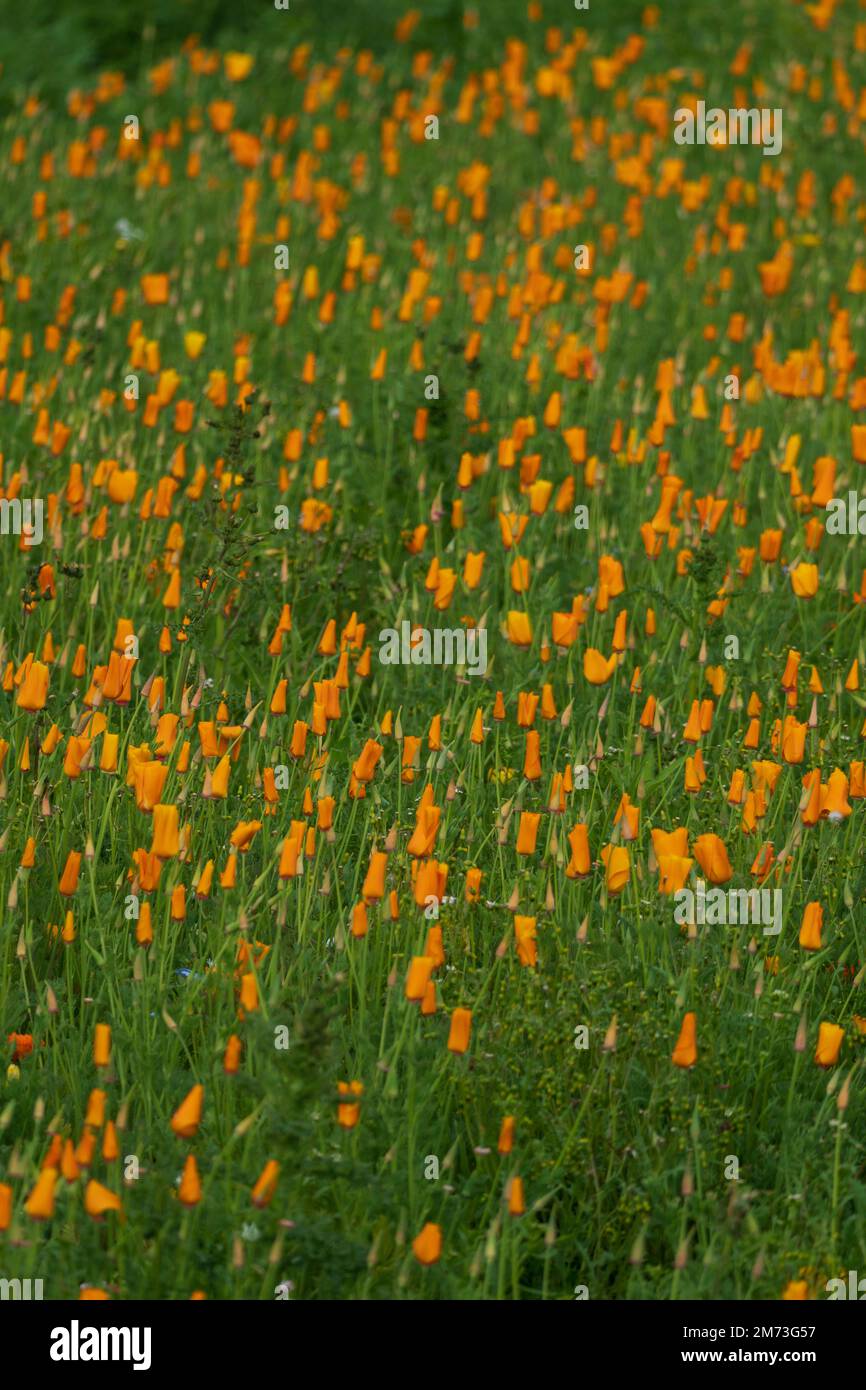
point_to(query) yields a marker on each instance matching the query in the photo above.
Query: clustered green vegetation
(279, 870)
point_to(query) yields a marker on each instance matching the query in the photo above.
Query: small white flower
(125, 229)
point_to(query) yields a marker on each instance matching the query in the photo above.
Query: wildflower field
(337, 962)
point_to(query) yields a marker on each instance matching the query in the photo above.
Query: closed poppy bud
(460, 1031)
(193, 344)
(69, 878)
(558, 787)
(506, 1135)
(219, 786)
(229, 873)
(617, 868)
(580, 862)
(520, 575)
(186, 1119)
(736, 791)
(793, 740)
(804, 580)
(525, 934)
(792, 666)
(266, 1185)
(516, 1198)
(692, 731)
(810, 802)
(33, 692)
(472, 891)
(685, 1054)
(374, 883)
(711, 854)
(51, 740)
(527, 831)
(249, 1001)
(232, 1055)
(143, 927)
(76, 759)
(532, 756)
(203, 886)
(325, 812)
(108, 757)
(519, 629)
(98, 1199)
(553, 410)
(649, 712)
(289, 854)
(420, 970)
(40, 1203)
(365, 765)
(629, 815)
(278, 699)
(189, 1188)
(244, 833)
(55, 1150)
(5, 1206)
(434, 948)
(28, 858)
(564, 629)
(110, 1146)
(154, 288)
(472, 568)
(770, 545)
(830, 1037)
(427, 1245)
(122, 484)
(763, 862)
(795, 1291)
(834, 801)
(810, 931)
(765, 776)
(101, 1045)
(166, 834)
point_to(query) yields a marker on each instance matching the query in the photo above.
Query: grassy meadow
(324, 976)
